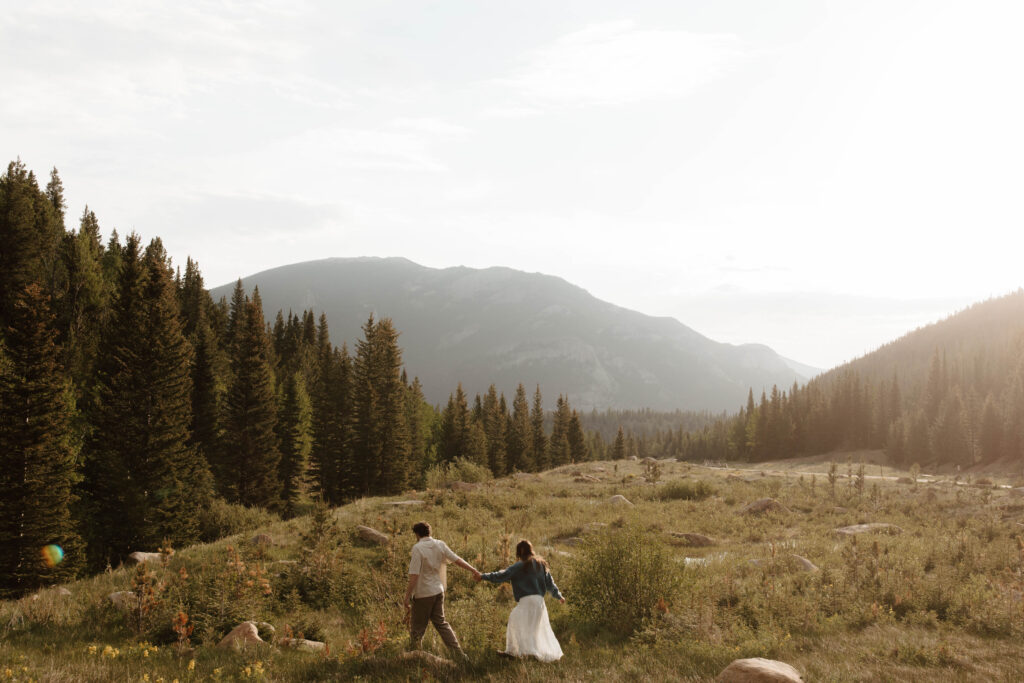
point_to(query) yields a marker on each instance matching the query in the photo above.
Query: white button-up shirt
(429, 560)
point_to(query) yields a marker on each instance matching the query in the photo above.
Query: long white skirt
(529, 631)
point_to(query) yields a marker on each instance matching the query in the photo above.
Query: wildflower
(145, 677)
(192, 665)
(248, 671)
(145, 652)
(91, 650)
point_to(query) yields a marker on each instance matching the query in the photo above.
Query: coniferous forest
(136, 412)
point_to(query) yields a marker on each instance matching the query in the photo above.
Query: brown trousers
(431, 609)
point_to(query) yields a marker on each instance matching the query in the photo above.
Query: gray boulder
(759, 670)
(371, 535)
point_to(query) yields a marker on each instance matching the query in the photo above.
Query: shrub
(621, 578)
(685, 490)
(460, 469)
(222, 519)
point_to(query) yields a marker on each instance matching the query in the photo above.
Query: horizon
(821, 180)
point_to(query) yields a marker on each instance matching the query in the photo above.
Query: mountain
(503, 326)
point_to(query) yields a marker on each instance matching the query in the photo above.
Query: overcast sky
(821, 177)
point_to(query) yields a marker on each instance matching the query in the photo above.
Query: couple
(529, 631)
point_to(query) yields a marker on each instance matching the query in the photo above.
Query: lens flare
(52, 555)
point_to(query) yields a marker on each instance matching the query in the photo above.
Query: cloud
(617, 63)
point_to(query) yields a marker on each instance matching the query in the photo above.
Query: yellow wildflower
(192, 665)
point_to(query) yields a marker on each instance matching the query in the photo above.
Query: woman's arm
(549, 583)
(503, 575)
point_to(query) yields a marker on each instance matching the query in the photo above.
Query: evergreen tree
(619, 448)
(455, 423)
(577, 439)
(294, 431)
(418, 422)
(37, 455)
(518, 442)
(145, 482)
(494, 420)
(380, 441)
(537, 436)
(250, 449)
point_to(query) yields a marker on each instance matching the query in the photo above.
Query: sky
(821, 177)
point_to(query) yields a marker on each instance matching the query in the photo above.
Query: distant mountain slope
(504, 326)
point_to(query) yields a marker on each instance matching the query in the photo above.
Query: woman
(529, 631)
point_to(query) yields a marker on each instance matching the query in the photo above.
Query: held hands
(477, 576)
(561, 600)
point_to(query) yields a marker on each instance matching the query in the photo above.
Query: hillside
(949, 394)
(935, 597)
(504, 327)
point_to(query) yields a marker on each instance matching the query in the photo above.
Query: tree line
(130, 401)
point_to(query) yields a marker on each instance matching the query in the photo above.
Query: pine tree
(418, 415)
(619, 448)
(494, 419)
(455, 424)
(577, 440)
(250, 449)
(380, 442)
(537, 435)
(295, 434)
(145, 482)
(518, 442)
(37, 455)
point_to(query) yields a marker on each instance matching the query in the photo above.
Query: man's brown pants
(431, 609)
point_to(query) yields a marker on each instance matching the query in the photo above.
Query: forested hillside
(951, 393)
(135, 411)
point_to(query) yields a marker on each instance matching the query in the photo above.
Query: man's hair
(421, 529)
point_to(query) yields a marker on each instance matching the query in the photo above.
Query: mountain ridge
(504, 326)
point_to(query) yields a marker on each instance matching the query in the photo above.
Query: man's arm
(413, 580)
(466, 565)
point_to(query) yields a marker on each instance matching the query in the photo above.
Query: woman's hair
(524, 551)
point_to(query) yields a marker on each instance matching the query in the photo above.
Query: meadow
(937, 596)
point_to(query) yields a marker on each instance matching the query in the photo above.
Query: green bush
(222, 519)
(619, 579)
(460, 469)
(685, 490)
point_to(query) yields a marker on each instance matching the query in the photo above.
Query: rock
(371, 535)
(463, 486)
(695, 561)
(694, 540)
(618, 499)
(586, 478)
(904, 480)
(303, 645)
(763, 505)
(649, 461)
(633, 458)
(599, 469)
(261, 539)
(122, 599)
(427, 659)
(759, 670)
(802, 563)
(140, 557)
(873, 527)
(405, 503)
(243, 635)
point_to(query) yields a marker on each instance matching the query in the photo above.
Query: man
(427, 579)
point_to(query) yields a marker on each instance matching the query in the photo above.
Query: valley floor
(936, 596)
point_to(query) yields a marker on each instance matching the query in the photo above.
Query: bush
(222, 519)
(685, 490)
(460, 469)
(620, 579)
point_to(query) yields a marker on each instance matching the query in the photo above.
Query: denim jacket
(532, 580)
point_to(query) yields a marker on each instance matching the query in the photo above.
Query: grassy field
(940, 598)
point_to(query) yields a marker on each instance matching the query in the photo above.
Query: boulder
(261, 539)
(802, 563)
(303, 645)
(139, 557)
(873, 527)
(694, 540)
(62, 592)
(759, 670)
(763, 505)
(426, 659)
(619, 499)
(122, 599)
(649, 461)
(633, 458)
(586, 478)
(241, 636)
(371, 535)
